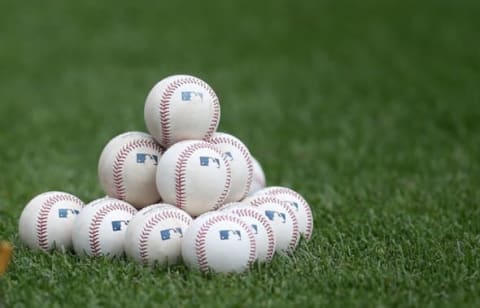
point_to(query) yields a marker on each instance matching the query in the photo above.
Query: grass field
(370, 109)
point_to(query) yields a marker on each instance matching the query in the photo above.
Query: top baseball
(181, 107)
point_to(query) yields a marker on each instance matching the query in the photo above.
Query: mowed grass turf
(370, 109)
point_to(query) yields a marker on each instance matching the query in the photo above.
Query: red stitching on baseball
(270, 199)
(216, 115)
(226, 188)
(258, 200)
(296, 234)
(180, 173)
(94, 230)
(200, 240)
(42, 218)
(151, 223)
(308, 210)
(119, 163)
(270, 234)
(164, 107)
(246, 155)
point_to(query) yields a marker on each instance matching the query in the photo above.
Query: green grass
(370, 109)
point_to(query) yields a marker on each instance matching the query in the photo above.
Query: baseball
(46, 221)
(99, 229)
(240, 162)
(258, 179)
(282, 219)
(127, 168)
(154, 235)
(194, 176)
(219, 242)
(181, 107)
(298, 204)
(261, 228)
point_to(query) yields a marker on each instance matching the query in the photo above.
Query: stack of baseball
(184, 191)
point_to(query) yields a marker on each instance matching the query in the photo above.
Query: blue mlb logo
(142, 157)
(191, 95)
(228, 155)
(171, 233)
(227, 234)
(273, 214)
(293, 204)
(63, 213)
(117, 225)
(205, 161)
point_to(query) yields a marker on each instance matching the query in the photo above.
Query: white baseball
(46, 221)
(258, 179)
(194, 176)
(127, 168)
(261, 228)
(240, 162)
(298, 204)
(99, 229)
(154, 235)
(181, 107)
(219, 242)
(282, 219)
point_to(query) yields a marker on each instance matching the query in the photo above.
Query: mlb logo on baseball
(117, 225)
(272, 214)
(142, 157)
(63, 213)
(255, 229)
(205, 161)
(228, 155)
(192, 95)
(171, 233)
(293, 204)
(227, 234)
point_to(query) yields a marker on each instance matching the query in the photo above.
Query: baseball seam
(42, 218)
(246, 155)
(180, 174)
(164, 107)
(119, 163)
(96, 222)
(264, 199)
(265, 224)
(151, 224)
(200, 240)
(306, 207)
